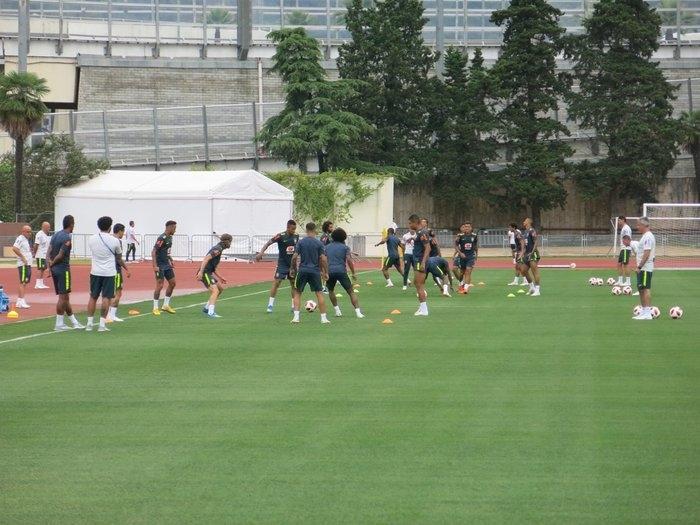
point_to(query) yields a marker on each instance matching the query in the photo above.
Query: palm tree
(219, 16)
(299, 18)
(690, 142)
(21, 109)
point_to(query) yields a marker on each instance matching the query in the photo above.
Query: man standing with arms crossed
(23, 252)
(309, 266)
(58, 261)
(646, 253)
(105, 250)
(41, 246)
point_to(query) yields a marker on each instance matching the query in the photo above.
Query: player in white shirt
(645, 251)
(106, 253)
(131, 241)
(23, 251)
(623, 259)
(408, 239)
(41, 246)
(515, 239)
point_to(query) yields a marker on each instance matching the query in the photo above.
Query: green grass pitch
(557, 409)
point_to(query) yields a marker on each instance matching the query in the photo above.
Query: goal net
(677, 231)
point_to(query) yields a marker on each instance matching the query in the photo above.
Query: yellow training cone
(133, 312)
(339, 295)
(521, 291)
(481, 283)
(369, 283)
(511, 295)
(12, 314)
(387, 321)
(395, 312)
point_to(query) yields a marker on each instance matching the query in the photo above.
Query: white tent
(237, 202)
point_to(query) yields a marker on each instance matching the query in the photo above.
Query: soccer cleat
(269, 309)
(419, 313)
(635, 293)
(295, 321)
(446, 293)
(103, 329)
(205, 310)
(156, 311)
(214, 316)
(360, 316)
(339, 314)
(78, 326)
(405, 288)
(88, 328)
(643, 317)
(514, 282)
(389, 285)
(62, 328)
(535, 293)
(168, 309)
(325, 321)
(525, 284)
(117, 319)
(22, 305)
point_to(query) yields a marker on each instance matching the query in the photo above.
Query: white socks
(59, 321)
(210, 309)
(271, 302)
(90, 321)
(337, 311)
(166, 301)
(102, 322)
(296, 315)
(112, 312)
(155, 304)
(324, 318)
(423, 308)
(358, 312)
(73, 319)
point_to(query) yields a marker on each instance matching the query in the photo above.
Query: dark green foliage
(623, 97)
(56, 163)
(387, 52)
(314, 121)
(529, 90)
(690, 142)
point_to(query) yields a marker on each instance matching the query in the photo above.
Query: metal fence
(463, 22)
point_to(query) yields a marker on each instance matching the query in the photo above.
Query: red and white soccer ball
(616, 290)
(655, 312)
(593, 281)
(310, 306)
(600, 282)
(627, 290)
(676, 312)
(611, 281)
(637, 310)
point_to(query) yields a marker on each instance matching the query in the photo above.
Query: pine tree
(387, 52)
(529, 89)
(624, 97)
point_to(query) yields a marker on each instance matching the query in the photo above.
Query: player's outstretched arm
(259, 255)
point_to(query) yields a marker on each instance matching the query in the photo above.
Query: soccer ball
(611, 281)
(676, 312)
(627, 290)
(599, 281)
(655, 312)
(310, 306)
(616, 290)
(593, 281)
(572, 266)
(637, 310)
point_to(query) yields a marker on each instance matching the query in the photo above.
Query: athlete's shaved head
(45, 227)
(27, 231)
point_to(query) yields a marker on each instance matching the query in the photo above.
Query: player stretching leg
(646, 253)
(41, 246)
(421, 253)
(531, 257)
(309, 266)
(339, 260)
(286, 243)
(468, 250)
(163, 268)
(408, 239)
(58, 261)
(439, 268)
(393, 259)
(208, 275)
(623, 260)
(118, 232)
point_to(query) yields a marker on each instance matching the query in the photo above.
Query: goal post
(677, 231)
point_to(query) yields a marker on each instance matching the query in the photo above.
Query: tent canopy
(238, 202)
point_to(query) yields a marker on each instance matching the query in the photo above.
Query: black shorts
(468, 262)
(61, 281)
(25, 274)
(165, 273)
(388, 262)
(624, 257)
(531, 257)
(644, 280)
(208, 279)
(339, 277)
(408, 260)
(41, 264)
(102, 285)
(312, 279)
(118, 281)
(282, 272)
(418, 265)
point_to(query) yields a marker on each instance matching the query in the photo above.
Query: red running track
(140, 286)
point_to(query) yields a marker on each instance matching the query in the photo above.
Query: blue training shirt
(310, 250)
(61, 240)
(392, 246)
(337, 253)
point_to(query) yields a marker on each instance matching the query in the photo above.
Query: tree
(464, 143)
(218, 17)
(528, 90)
(388, 53)
(299, 18)
(313, 121)
(55, 163)
(625, 98)
(690, 142)
(21, 109)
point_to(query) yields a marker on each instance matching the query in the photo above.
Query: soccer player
(118, 232)
(58, 261)
(326, 230)
(393, 259)
(41, 246)
(646, 253)
(131, 242)
(208, 275)
(439, 268)
(408, 239)
(163, 268)
(468, 250)
(105, 249)
(339, 260)
(23, 251)
(309, 266)
(531, 256)
(421, 253)
(515, 240)
(623, 260)
(286, 243)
